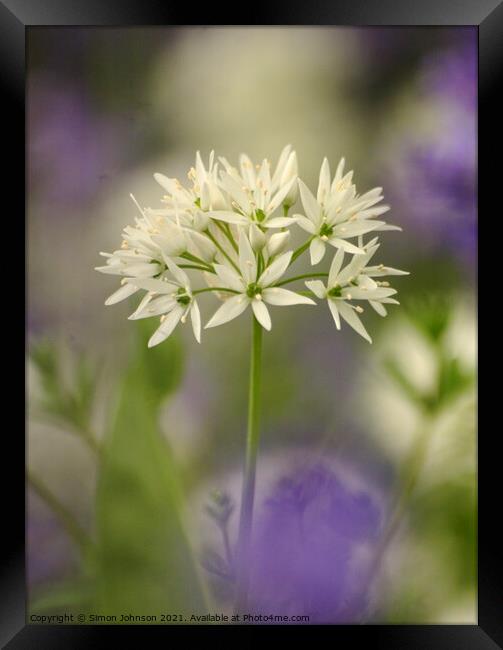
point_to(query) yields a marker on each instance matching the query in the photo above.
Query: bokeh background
(126, 446)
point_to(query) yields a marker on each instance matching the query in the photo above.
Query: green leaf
(162, 365)
(145, 564)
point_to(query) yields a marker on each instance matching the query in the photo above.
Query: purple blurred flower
(432, 185)
(307, 553)
(452, 74)
(71, 147)
(51, 555)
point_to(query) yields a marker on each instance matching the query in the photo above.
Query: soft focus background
(126, 446)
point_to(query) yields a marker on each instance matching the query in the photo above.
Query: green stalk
(300, 250)
(197, 260)
(224, 227)
(248, 491)
(195, 267)
(210, 236)
(301, 277)
(198, 291)
(66, 518)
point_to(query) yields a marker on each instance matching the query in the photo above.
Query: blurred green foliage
(69, 402)
(432, 316)
(141, 561)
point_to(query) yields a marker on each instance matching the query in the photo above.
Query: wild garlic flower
(354, 282)
(256, 195)
(169, 296)
(254, 289)
(221, 229)
(338, 213)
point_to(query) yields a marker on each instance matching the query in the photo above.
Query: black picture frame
(18, 16)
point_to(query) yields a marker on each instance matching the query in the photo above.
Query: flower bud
(278, 242)
(257, 238)
(202, 247)
(200, 221)
(290, 171)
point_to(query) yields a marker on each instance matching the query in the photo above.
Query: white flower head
(252, 289)
(256, 195)
(352, 283)
(170, 297)
(217, 235)
(337, 213)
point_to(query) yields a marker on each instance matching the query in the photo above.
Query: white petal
(261, 314)
(279, 222)
(377, 271)
(351, 318)
(232, 308)
(388, 226)
(317, 287)
(172, 241)
(373, 212)
(195, 317)
(276, 270)
(356, 228)
(280, 195)
(205, 248)
(379, 308)
(247, 170)
(247, 261)
(353, 269)
(166, 327)
(257, 237)
(365, 294)
(142, 270)
(284, 297)
(324, 182)
(290, 171)
(283, 157)
(178, 273)
(228, 217)
(151, 284)
(278, 242)
(232, 186)
(229, 277)
(335, 267)
(200, 171)
(317, 250)
(121, 294)
(311, 206)
(335, 313)
(205, 196)
(368, 199)
(305, 223)
(338, 172)
(154, 307)
(169, 184)
(349, 248)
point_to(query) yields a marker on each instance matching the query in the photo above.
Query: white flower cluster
(232, 227)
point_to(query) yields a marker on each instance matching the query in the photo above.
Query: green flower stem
(195, 267)
(302, 277)
(300, 250)
(197, 260)
(248, 491)
(225, 228)
(197, 291)
(207, 232)
(74, 530)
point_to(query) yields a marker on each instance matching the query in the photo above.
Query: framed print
(251, 299)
